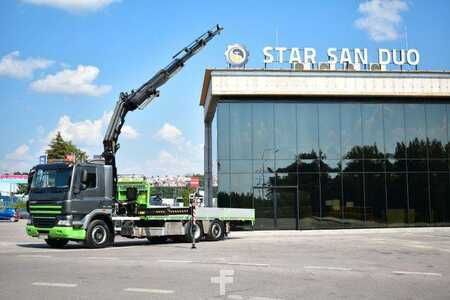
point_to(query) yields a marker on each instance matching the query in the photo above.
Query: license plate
(43, 236)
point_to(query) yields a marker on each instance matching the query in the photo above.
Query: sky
(63, 64)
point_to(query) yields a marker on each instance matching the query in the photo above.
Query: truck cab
(64, 198)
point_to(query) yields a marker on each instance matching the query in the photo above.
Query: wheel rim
(99, 234)
(216, 230)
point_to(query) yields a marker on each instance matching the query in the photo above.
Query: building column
(208, 165)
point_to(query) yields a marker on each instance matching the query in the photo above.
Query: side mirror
(84, 177)
(30, 179)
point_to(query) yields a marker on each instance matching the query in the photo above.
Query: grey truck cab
(65, 198)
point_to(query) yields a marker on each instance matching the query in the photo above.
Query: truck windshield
(51, 178)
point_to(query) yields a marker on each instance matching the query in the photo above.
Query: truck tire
(56, 243)
(216, 231)
(98, 235)
(198, 232)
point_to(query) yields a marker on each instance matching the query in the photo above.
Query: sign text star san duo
(340, 56)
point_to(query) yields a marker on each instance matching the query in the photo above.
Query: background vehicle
(83, 201)
(10, 214)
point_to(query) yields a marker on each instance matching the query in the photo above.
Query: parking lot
(412, 263)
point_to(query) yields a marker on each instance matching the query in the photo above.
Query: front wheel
(56, 243)
(98, 235)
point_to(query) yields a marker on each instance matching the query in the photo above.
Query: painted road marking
(328, 268)
(416, 273)
(34, 256)
(102, 257)
(55, 284)
(175, 261)
(213, 263)
(239, 297)
(243, 264)
(235, 297)
(152, 291)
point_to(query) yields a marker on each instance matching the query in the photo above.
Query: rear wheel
(98, 235)
(216, 231)
(56, 243)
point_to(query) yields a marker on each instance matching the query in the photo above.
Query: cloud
(169, 133)
(381, 18)
(88, 132)
(74, 6)
(72, 82)
(18, 160)
(180, 158)
(21, 153)
(11, 65)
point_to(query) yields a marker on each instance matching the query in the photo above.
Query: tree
(59, 148)
(185, 193)
(22, 188)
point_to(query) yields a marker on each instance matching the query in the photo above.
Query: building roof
(290, 83)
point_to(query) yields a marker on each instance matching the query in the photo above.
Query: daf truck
(82, 201)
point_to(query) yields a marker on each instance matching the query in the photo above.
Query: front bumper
(57, 232)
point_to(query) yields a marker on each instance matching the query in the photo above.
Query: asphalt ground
(408, 263)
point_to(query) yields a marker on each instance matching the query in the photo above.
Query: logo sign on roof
(236, 55)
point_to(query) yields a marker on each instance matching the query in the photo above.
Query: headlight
(65, 221)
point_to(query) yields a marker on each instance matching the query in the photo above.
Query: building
(330, 149)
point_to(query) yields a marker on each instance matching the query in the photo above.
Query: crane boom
(142, 96)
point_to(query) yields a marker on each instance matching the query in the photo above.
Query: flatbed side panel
(225, 214)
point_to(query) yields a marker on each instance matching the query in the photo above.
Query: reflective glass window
(353, 199)
(331, 200)
(397, 199)
(436, 130)
(440, 198)
(286, 131)
(394, 131)
(223, 195)
(307, 131)
(419, 212)
(241, 166)
(375, 196)
(223, 130)
(416, 144)
(329, 131)
(240, 131)
(373, 137)
(241, 190)
(263, 131)
(309, 200)
(223, 166)
(351, 131)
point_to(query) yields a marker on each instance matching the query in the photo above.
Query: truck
(83, 201)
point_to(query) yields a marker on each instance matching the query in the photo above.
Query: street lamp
(275, 150)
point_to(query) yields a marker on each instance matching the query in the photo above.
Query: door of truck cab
(89, 195)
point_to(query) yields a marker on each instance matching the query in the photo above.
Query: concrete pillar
(208, 165)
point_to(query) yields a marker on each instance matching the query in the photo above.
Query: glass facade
(323, 164)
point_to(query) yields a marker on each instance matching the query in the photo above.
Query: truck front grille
(44, 222)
